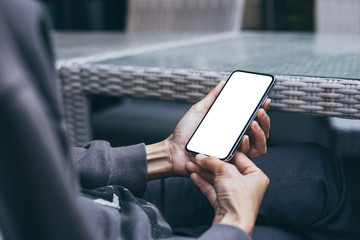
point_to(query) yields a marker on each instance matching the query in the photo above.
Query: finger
(264, 121)
(266, 105)
(206, 175)
(206, 188)
(206, 102)
(244, 164)
(258, 137)
(211, 164)
(245, 144)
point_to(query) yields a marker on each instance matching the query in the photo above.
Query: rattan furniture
(167, 71)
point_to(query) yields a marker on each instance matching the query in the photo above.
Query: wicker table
(317, 74)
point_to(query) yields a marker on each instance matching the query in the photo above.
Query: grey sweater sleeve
(101, 165)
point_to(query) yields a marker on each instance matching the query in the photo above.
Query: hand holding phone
(220, 131)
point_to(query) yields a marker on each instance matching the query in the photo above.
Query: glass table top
(275, 53)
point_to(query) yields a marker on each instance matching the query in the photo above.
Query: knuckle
(262, 135)
(264, 150)
(223, 167)
(207, 192)
(266, 117)
(265, 180)
(261, 113)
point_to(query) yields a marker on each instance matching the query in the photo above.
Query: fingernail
(256, 125)
(199, 157)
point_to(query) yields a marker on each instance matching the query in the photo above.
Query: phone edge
(238, 141)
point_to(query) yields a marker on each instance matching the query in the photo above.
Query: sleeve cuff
(129, 168)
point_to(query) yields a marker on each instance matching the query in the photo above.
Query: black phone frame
(251, 119)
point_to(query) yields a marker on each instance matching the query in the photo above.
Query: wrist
(244, 223)
(158, 160)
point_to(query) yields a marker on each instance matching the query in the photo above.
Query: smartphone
(229, 117)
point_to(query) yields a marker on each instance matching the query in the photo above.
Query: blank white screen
(229, 114)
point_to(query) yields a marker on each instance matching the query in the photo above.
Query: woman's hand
(168, 158)
(186, 127)
(234, 190)
(254, 143)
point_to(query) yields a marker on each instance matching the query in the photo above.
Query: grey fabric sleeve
(223, 231)
(101, 165)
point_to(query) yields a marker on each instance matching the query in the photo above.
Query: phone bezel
(251, 119)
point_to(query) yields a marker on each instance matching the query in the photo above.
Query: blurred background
(124, 121)
(111, 15)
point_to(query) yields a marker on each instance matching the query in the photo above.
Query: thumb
(210, 97)
(211, 164)
(244, 164)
